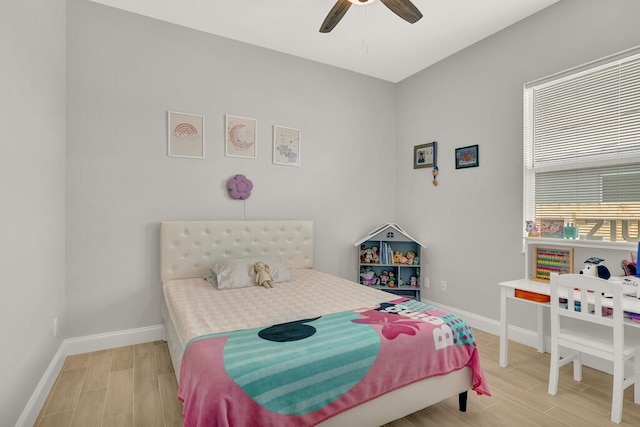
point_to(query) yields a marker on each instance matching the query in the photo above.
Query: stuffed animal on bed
(260, 273)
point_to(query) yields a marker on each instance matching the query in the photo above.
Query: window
(582, 148)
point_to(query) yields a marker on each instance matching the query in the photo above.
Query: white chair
(582, 328)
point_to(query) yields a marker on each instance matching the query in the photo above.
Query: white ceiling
(370, 39)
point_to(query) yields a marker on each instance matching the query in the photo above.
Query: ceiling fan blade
(335, 15)
(404, 9)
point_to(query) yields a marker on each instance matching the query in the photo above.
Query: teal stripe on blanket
(245, 349)
(298, 377)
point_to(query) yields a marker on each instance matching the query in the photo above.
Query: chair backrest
(585, 295)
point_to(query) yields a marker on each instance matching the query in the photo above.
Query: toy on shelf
(594, 267)
(629, 268)
(384, 277)
(532, 229)
(375, 255)
(369, 277)
(413, 281)
(368, 256)
(392, 280)
(399, 258)
(410, 257)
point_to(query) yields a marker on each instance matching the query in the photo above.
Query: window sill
(582, 243)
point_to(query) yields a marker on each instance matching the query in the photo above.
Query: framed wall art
(467, 157)
(424, 156)
(286, 146)
(185, 135)
(241, 137)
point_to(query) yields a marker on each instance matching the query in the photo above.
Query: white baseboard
(113, 339)
(77, 346)
(30, 412)
(521, 335)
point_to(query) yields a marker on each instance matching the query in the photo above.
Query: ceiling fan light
(361, 2)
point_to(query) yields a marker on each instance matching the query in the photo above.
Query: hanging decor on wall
(241, 137)
(185, 135)
(239, 187)
(424, 156)
(286, 146)
(467, 157)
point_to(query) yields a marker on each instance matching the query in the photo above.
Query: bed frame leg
(462, 401)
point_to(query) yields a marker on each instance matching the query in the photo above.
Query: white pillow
(235, 273)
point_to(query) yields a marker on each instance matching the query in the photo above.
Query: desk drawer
(532, 296)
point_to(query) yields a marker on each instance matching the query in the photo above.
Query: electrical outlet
(426, 282)
(55, 327)
(443, 286)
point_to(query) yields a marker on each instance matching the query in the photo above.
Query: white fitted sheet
(197, 308)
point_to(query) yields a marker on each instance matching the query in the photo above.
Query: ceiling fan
(403, 8)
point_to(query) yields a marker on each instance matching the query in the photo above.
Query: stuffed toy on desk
(594, 267)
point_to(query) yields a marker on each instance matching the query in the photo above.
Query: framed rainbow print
(241, 137)
(286, 146)
(185, 135)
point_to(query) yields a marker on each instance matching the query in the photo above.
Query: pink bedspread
(302, 373)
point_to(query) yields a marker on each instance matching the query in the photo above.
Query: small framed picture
(241, 137)
(552, 228)
(185, 135)
(286, 146)
(424, 156)
(467, 157)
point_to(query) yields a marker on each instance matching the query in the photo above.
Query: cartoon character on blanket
(304, 372)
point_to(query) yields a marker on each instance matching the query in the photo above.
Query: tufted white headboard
(189, 248)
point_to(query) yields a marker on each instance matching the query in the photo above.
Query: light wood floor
(135, 386)
(125, 386)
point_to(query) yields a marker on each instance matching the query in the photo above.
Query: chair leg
(554, 370)
(618, 391)
(577, 367)
(636, 378)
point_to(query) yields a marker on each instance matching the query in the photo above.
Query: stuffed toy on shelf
(594, 267)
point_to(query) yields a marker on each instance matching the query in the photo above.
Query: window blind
(582, 148)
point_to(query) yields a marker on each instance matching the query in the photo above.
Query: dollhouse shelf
(386, 261)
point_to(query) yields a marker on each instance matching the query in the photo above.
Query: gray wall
(124, 72)
(472, 221)
(32, 168)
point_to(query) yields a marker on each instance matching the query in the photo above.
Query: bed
(204, 326)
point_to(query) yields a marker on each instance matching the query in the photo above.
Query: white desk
(507, 291)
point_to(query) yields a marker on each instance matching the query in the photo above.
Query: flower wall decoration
(239, 187)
